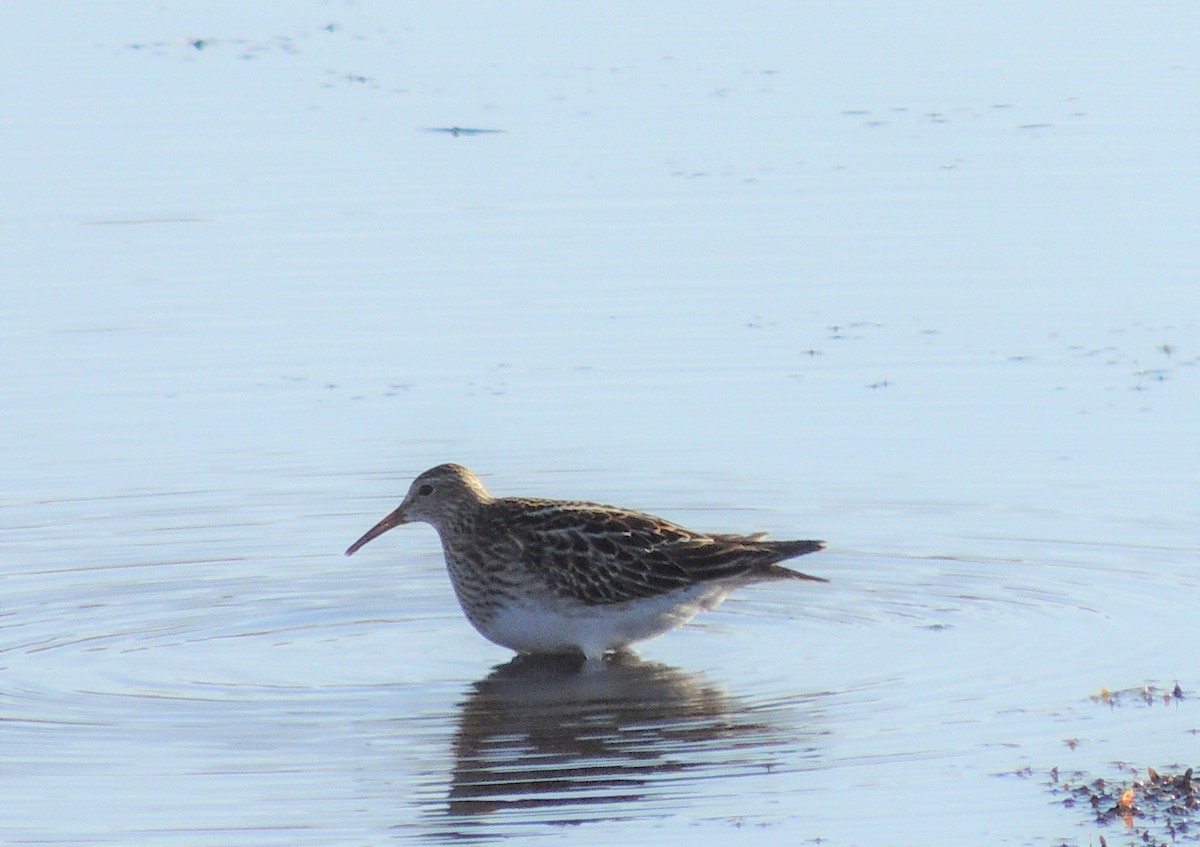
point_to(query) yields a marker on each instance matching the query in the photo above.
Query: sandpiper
(555, 576)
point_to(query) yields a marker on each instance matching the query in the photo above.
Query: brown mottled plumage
(545, 576)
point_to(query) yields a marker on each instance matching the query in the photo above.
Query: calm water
(924, 287)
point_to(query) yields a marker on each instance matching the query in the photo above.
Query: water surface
(922, 286)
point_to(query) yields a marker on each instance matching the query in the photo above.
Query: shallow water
(924, 288)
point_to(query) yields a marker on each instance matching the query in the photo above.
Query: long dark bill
(393, 520)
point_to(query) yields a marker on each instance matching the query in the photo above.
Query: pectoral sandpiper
(553, 576)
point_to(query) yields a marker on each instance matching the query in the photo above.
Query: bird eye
(425, 490)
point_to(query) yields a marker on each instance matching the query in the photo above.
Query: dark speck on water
(462, 130)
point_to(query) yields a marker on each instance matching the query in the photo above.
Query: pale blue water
(920, 283)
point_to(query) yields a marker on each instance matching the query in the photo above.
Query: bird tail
(776, 572)
(790, 550)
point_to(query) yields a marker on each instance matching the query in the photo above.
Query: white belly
(540, 628)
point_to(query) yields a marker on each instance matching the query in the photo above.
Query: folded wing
(603, 554)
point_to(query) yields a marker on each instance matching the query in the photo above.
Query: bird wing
(603, 554)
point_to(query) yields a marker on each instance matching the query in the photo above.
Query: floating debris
(462, 130)
(1147, 695)
(1162, 809)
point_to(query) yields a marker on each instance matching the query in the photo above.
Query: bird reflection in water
(550, 741)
